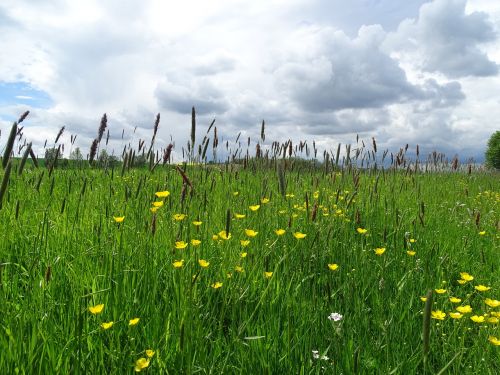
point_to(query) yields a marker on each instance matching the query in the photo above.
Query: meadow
(268, 264)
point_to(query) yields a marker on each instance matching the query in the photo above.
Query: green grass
(252, 324)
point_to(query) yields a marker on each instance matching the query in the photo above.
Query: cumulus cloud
(448, 40)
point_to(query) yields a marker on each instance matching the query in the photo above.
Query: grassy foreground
(98, 274)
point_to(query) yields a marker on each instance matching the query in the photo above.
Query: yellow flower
(464, 309)
(492, 302)
(158, 204)
(493, 320)
(97, 309)
(236, 193)
(268, 275)
(141, 364)
(379, 250)
(411, 253)
(423, 299)
(494, 340)
(281, 212)
(239, 269)
(361, 230)
(412, 240)
(264, 200)
(244, 243)
(180, 245)
(195, 242)
(162, 194)
(289, 195)
(333, 266)
(438, 315)
(178, 263)
(239, 216)
(217, 285)
(119, 219)
(203, 263)
(299, 235)
(243, 255)
(107, 325)
(465, 276)
(461, 281)
(455, 315)
(254, 208)
(440, 291)
(477, 318)
(316, 194)
(280, 232)
(482, 288)
(133, 322)
(197, 223)
(250, 232)
(482, 233)
(215, 237)
(229, 275)
(179, 217)
(223, 235)
(154, 209)
(455, 300)
(150, 353)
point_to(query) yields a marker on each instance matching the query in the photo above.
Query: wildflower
(492, 302)
(268, 275)
(178, 263)
(119, 219)
(477, 318)
(493, 320)
(154, 209)
(141, 364)
(281, 212)
(316, 194)
(316, 355)
(264, 200)
(195, 242)
(361, 230)
(236, 193)
(239, 269)
(464, 309)
(243, 255)
(440, 291)
(239, 216)
(215, 237)
(411, 253)
(439, 315)
(179, 217)
(299, 235)
(244, 243)
(97, 309)
(280, 232)
(336, 317)
(482, 233)
(494, 340)
(333, 266)
(197, 223)
(158, 204)
(250, 232)
(107, 325)
(162, 194)
(224, 235)
(150, 353)
(482, 288)
(229, 275)
(289, 195)
(133, 322)
(254, 208)
(180, 245)
(203, 263)
(217, 285)
(423, 299)
(455, 300)
(465, 276)
(412, 240)
(379, 250)
(455, 315)
(461, 281)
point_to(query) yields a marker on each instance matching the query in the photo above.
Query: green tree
(492, 154)
(50, 156)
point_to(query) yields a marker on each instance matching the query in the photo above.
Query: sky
(404, 72)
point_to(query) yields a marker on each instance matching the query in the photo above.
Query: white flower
(336, 317)
(315, 354)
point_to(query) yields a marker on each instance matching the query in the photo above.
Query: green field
(255, 301)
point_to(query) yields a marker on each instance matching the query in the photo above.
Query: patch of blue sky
(22, 93)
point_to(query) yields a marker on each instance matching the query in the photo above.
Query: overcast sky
(416, 72)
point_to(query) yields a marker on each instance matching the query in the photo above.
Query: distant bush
(492, 154)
